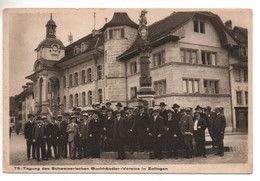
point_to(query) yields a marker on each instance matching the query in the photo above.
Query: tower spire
(94, 20)
(51, 17)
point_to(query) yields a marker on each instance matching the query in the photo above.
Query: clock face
(55, 48)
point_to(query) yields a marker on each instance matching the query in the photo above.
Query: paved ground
(237, 154)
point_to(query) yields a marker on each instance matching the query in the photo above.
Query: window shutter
(110, 34)
(122, 33)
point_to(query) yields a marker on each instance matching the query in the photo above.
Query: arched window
(83, 98)
(83, 77)
(70, 81)
(76, 79)
(99, 72)
(64, 81)
(100, 95)
(89, 97)
(89, 75)
(71, 101)
(76, 100)
(64, 102)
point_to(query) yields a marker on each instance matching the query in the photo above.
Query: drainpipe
(230, 85)
(126, 85)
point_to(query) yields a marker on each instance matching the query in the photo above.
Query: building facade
(190, 57)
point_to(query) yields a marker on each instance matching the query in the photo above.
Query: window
(133, 67)
(160, 87)
(211, 86)
(76, 50)
(116, 33)
(71, 101)
(100, 96)
(65, 102)
(190, 85)
(246, 97)
(83, 47)
(159, 58)
(189, 55)
(76, 79)
(70, 80)
(208, 58)
(133, 92)
(245, 76)
(237, 75)
(83, 77)
(83, 98)
(239, 97)
(76, 100)
(99, 71)
(64, 81)
(89, 97)
(199, 27)
(89, 75)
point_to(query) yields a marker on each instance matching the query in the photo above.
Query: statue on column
(143, 33)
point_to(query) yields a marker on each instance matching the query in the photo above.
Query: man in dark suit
(51, 136)
(163, 111)
(130, 128)
(118, 134)
(37, 136)
(199, 127)
(83, 136)
(72, 130)
(108, 130)
(177, 118)
(56, 139)
(186, 129)
(155, 133)
(141, 127)
(64, 135)
(219, 126)
(95, 129)
(211, 117)
(28, 136)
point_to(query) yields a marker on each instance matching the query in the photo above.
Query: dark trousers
(64, 147)
(94, 147)
(40, 146)
(172, 145)
(30, 145)
(132, 142)
(141, 135)
(119, 142)
(211, 133)
(156, 146)
(51, 144)
(219, 140)
(188, 144)
(200, 143)
(108, 144)
(83, 148)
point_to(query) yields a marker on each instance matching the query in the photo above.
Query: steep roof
(48, 42)
(120, 19)
(174, 22)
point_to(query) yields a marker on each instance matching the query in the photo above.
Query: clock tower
(50, 48)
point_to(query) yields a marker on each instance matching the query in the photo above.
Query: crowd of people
(84, 134)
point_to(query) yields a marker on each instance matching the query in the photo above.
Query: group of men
(143, 129)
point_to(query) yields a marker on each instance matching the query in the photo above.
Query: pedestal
(147, 94)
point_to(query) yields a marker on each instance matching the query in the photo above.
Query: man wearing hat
(64, 135)
(219, 126)
(141, 127)
(51, 137)
(108, 105)
(118, 134)
(28, 136)
(211, 117)
(72, 130)
(186, 129)
(83, 136)
(37, 136)
(44, 140)
(199, 127)
(155, 133)
(119, 108)
(130, 129)
(108, 130)
(95, 129)
(163, 111)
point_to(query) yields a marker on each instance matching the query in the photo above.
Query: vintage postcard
(128, 91)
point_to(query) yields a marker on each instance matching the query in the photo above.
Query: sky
(27, 30)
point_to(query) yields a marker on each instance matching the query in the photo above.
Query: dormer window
(116, 33)
(76, 50)
(83, 46)
(199, 26)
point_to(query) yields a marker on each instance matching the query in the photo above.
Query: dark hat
(198, 107)
(30, 115)
(108, 103)
(103, 108)
(208, 108)
(175, 105)
(125, 108)
(162, 104)
(74, 109)
(39, 118)
(78, 109)
(119, 104)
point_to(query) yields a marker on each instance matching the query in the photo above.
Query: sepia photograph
(127, 90)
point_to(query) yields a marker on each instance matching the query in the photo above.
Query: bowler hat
(162, 104)
(198, 107)
(30, 115)
(175, 106)
(119, 104)
(108, 103)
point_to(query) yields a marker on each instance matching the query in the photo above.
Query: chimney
(228, 24)
(70, 38)
(24, 87)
